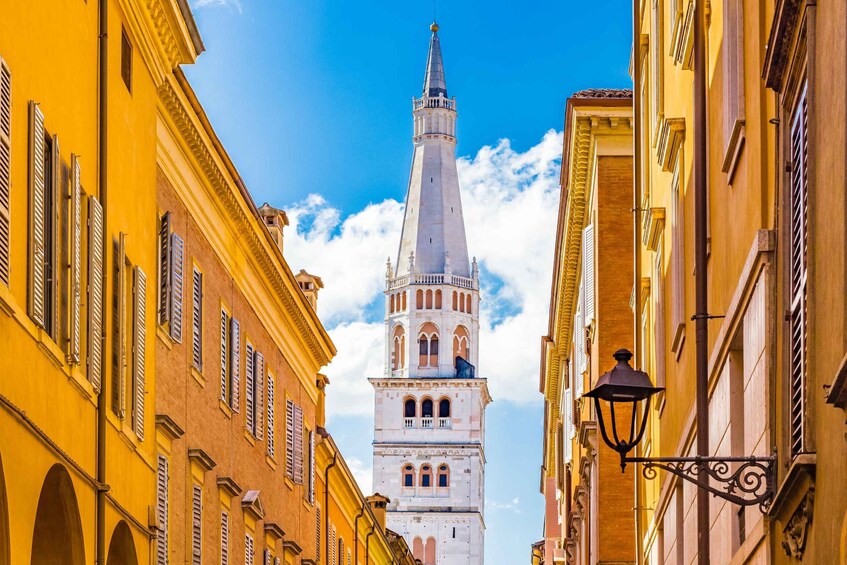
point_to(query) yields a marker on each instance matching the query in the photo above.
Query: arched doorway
(5, 541)
(122, 547)
(57, 535)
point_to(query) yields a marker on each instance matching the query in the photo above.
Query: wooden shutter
(5, 172)
(197, 320)
(289, 438)
(318, 534)
(95, 292)
(224, 356)
(568, 426)
(298, 445)
(51, 269)
(224, 538)
(311, 467)
(162, 511)
(38, 258)
(588, 273)
(139, 347)
(267, 557)
(250, 389)
(197, 525)
(165, 268)
(271, 413)
(76, 263)
(798, 242)
(259, 383)
(177, 285)
(333, 550)
(234, 364)
(120, 364)
(248, 549)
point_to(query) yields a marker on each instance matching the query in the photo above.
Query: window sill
(249, 437)
(289, 483)
(198, 376)
(7, 301)
(164, 337)
(270, 461)
(225, 409)
(678, 340)
(734, 150)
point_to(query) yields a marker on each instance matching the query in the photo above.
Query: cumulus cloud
(510, 200)
(231, 4)
(362, 472)
(513, 505)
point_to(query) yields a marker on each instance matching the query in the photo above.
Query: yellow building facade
(77, 369)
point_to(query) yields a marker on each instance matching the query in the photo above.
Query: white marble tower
(429, 431)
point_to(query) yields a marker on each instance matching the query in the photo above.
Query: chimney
(320, 417)
(310, 285)
(275, 220)
(377, 502)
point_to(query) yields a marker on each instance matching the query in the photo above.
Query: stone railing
(425, 278)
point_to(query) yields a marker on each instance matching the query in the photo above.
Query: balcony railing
(424, 278)
(444, 422)
(426, 422)
(409, 422)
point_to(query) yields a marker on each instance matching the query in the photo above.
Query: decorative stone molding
(228, 486)
(654, 225)
(837, 393)
(168, 427)
(671, 138)
(252, 505)
(274, 531)
(794, 533)
(201, 459)
(781, 35)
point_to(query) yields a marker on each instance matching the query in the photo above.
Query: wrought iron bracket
(745, 481)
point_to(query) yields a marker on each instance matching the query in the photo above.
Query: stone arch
(461, 344)
(443, 476)
(444, 407)
(461, 302)
(455, 300)
(403, 301)
(391, 304)
(408, 475)
(418, 549)
(428, 344)
(5, 540)
(57, 534)
(438, 300)
(426, 476)
(429, 552)
(429, 299)
(398, 348)
(410, 407)
(419, 299)
(468, 303)
(427, 407)
(122, 546)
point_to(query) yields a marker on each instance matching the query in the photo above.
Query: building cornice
(188, 121)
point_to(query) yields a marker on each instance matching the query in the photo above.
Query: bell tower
(429, 431)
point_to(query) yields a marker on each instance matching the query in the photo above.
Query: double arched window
(428, 344)
(461, 344)
(398, 348)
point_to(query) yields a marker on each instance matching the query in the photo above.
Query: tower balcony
(426, 278)
(434, 102)
(428, 423)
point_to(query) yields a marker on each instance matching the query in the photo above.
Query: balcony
(426, 423)
(408, 422)
(443, 423)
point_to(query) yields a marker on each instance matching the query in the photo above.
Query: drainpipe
(368, 545)
(326, 500)
(102, 160)
(356, 534)
(636, 242)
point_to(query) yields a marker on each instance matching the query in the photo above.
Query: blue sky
(312, 100)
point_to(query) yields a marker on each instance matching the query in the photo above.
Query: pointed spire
(434, 82)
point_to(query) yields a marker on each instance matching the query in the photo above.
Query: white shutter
(197, 320)
(259, 383)
(234, 364)
(333, 557)
(248, 550)
(95, 292)
(267, 557)
(139, 347)
(162, 511)
(76, 260)
(318, 534)
(177, 285)
(51, 269)
(224, 538)
(5, 172)
(249, 389)
(165, 268)
(588, 273)
(224, 356)
(119, 374)
(38, 258)
(568, 426)
(298, 445)
(271, 414)
(197, 525)
(311, 467)
(289, 439)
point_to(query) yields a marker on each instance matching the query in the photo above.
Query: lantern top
(623, 383)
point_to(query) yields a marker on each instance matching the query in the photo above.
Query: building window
(197, 525)
(398, 352)
(162, 511)
(5, 170)
(733, 68)
(197, 320)
(426, 408)
(444, 408)
(230, 361)
(126, 60)
(171, 278)
(798, 246)
(677, 254)
(408, 476)
(443, 476)
(461, 344)
(254, 367)
(426, 476)
(438, 300)
(409, 408)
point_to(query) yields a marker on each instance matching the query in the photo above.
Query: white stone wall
(458, 536)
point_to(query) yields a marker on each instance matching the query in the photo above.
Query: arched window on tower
(426, 476)
(410, 408)
(429, 552)
(461, 302)
(438, 300)
(468, 303)
(418, 549)
(429, 300)
(391, 305)
(408, 476)
(443, 476)
(444, 408)
(455, 300)
(433, 351)
(404, 301)
(426, 408)
(461, 344)
(398, 348)
(428, 346)
(419, 299)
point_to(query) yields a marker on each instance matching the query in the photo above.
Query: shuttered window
(289, 439)
(5, 172)
(318, 534)
(139, 334)
(197, 319)
(225, 396)
(677, 261)
(259, 394)
(119, 328)
(588, 273)
(177, 285)
(224, 538)
(267, 557)
(311, 467)
(798, 242)
(234, 364)
(75, 290)
(271, 412)
(249, 551)
(333, 556)
(171, 278)
(95, 292)
(579, 339)
(568, 426)
(165, 268)
(162, 511)
(197, 525)
(298, 445)
(249, 389)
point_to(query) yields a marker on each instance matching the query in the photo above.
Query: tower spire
(434, 82)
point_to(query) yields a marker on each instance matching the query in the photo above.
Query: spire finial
(434, 27)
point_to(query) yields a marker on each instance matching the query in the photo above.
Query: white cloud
(232, 4)
(513, 505)
(510, 201)
(363, 473)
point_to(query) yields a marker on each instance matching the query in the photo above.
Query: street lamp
(746, 480)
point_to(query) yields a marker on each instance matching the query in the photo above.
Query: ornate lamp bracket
(745, 481)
